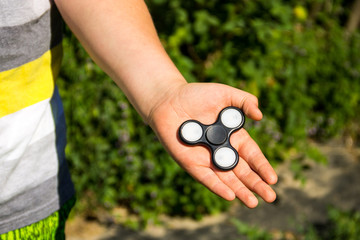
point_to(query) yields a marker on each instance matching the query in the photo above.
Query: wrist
(161, 96)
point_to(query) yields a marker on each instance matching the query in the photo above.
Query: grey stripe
(36, 204)
(27, 42)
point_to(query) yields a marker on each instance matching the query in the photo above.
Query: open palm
(203, 102)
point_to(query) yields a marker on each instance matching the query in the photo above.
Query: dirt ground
(297, 205)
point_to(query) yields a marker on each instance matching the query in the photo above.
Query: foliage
(293, 55)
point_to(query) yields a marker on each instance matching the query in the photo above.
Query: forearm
(120, 37)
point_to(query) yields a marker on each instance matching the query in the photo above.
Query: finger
(251, 153)
(252, 181)
(209, 179)
(240, 190)
(247, 102)
(251, 110)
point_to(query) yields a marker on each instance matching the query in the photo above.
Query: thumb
(247, 102)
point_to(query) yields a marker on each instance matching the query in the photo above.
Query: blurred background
(300, 58)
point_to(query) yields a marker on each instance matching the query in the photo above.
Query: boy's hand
(203, 102)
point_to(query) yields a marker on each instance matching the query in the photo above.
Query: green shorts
(52, 227)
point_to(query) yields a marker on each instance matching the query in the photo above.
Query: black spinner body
(216, 136)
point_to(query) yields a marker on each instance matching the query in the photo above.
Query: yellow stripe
(30, 83)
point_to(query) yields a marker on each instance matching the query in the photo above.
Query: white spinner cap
(231, 118)
(225, 157)
(191, 131)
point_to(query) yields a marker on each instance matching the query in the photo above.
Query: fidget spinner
(216, 136)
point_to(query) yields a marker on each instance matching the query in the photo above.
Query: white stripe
(18, 12)
(18, 130)
(38, 164)
(28, 153)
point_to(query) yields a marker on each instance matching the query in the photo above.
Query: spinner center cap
(216, 135)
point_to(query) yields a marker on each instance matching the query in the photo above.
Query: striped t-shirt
(34, 179)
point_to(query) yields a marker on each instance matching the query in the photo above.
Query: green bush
(298, 61)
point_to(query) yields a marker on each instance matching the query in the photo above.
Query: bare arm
(121, 38)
